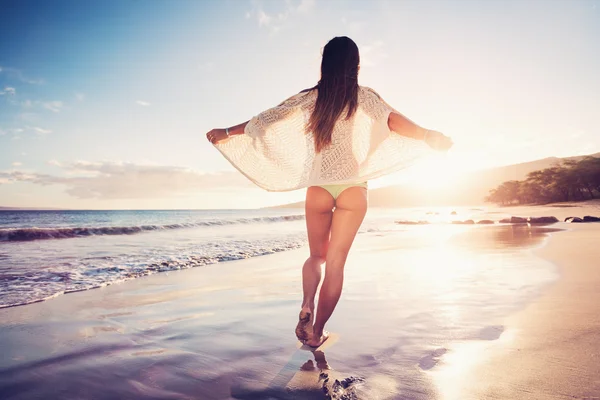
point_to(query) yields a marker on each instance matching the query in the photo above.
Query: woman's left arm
(218, 135)
(403, 126)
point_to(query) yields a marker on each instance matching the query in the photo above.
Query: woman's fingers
(439, 141)
(211, 136)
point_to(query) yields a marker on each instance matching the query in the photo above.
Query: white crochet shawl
(278, 154)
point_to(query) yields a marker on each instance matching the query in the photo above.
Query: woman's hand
(217, 136)
(438, 141)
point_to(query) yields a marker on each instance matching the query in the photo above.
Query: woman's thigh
(350, 210)
(319, 211)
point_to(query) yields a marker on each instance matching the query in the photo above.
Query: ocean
(44, 254)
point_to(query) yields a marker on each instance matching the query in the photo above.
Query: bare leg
(351, 207)
(311, 276)
(319, 205)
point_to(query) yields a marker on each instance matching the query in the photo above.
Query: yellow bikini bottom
(336, 190)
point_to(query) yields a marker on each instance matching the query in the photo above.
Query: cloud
(41, 131)
(55, 106)
(17, 176)
(118, 180)
(17, 164)
(18, 75)
(8, 90)
(276, 20)
(263, 18)
(306, 6)
(15, 133)
(143, 103)
(79, 96)
(372, 54)
(354, 24)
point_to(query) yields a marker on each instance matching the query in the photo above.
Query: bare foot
(304, 327)
(315, 341)
(308, 366)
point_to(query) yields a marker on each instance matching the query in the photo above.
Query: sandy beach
(552, 350)
(416, 321)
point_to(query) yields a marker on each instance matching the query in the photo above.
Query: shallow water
(48, 253)
(226, 331)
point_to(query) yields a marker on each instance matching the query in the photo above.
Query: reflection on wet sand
(310, 379)
(321, 362)
(504, 237)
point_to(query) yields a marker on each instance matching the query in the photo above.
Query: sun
(432, 174)
(435, 174)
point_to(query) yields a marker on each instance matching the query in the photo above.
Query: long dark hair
(338, 88)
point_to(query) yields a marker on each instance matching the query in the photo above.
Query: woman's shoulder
(371, 102)
(312, 89)
(298, 98)
(369, 91)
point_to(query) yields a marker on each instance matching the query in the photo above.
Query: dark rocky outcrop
(589, 218)
(543, 220)
(514, 220)
(531, 220)
(467, 222)
(573, 219)
(485, 221)
(518, 220)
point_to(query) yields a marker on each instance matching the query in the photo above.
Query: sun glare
(432, 174)
(435, 174)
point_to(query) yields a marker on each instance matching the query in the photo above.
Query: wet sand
(552, 350)
(227, 331)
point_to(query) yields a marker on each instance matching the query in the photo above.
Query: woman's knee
(316, 259)
(336, 258)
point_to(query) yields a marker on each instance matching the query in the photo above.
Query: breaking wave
(30, 234)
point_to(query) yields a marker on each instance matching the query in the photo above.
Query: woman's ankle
(317, 333)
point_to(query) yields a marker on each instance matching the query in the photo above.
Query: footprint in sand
(431, 360)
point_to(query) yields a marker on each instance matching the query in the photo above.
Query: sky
(105, 104)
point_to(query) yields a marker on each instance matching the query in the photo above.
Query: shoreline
(550, 347)
(207, 327)
(552, 350)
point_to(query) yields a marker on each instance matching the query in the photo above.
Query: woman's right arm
(403, 126)
(218, 135)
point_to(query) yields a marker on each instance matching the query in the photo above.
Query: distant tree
(589, 172)
(529, 192)
(570, 180)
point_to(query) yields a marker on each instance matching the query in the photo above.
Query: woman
(330, 138)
